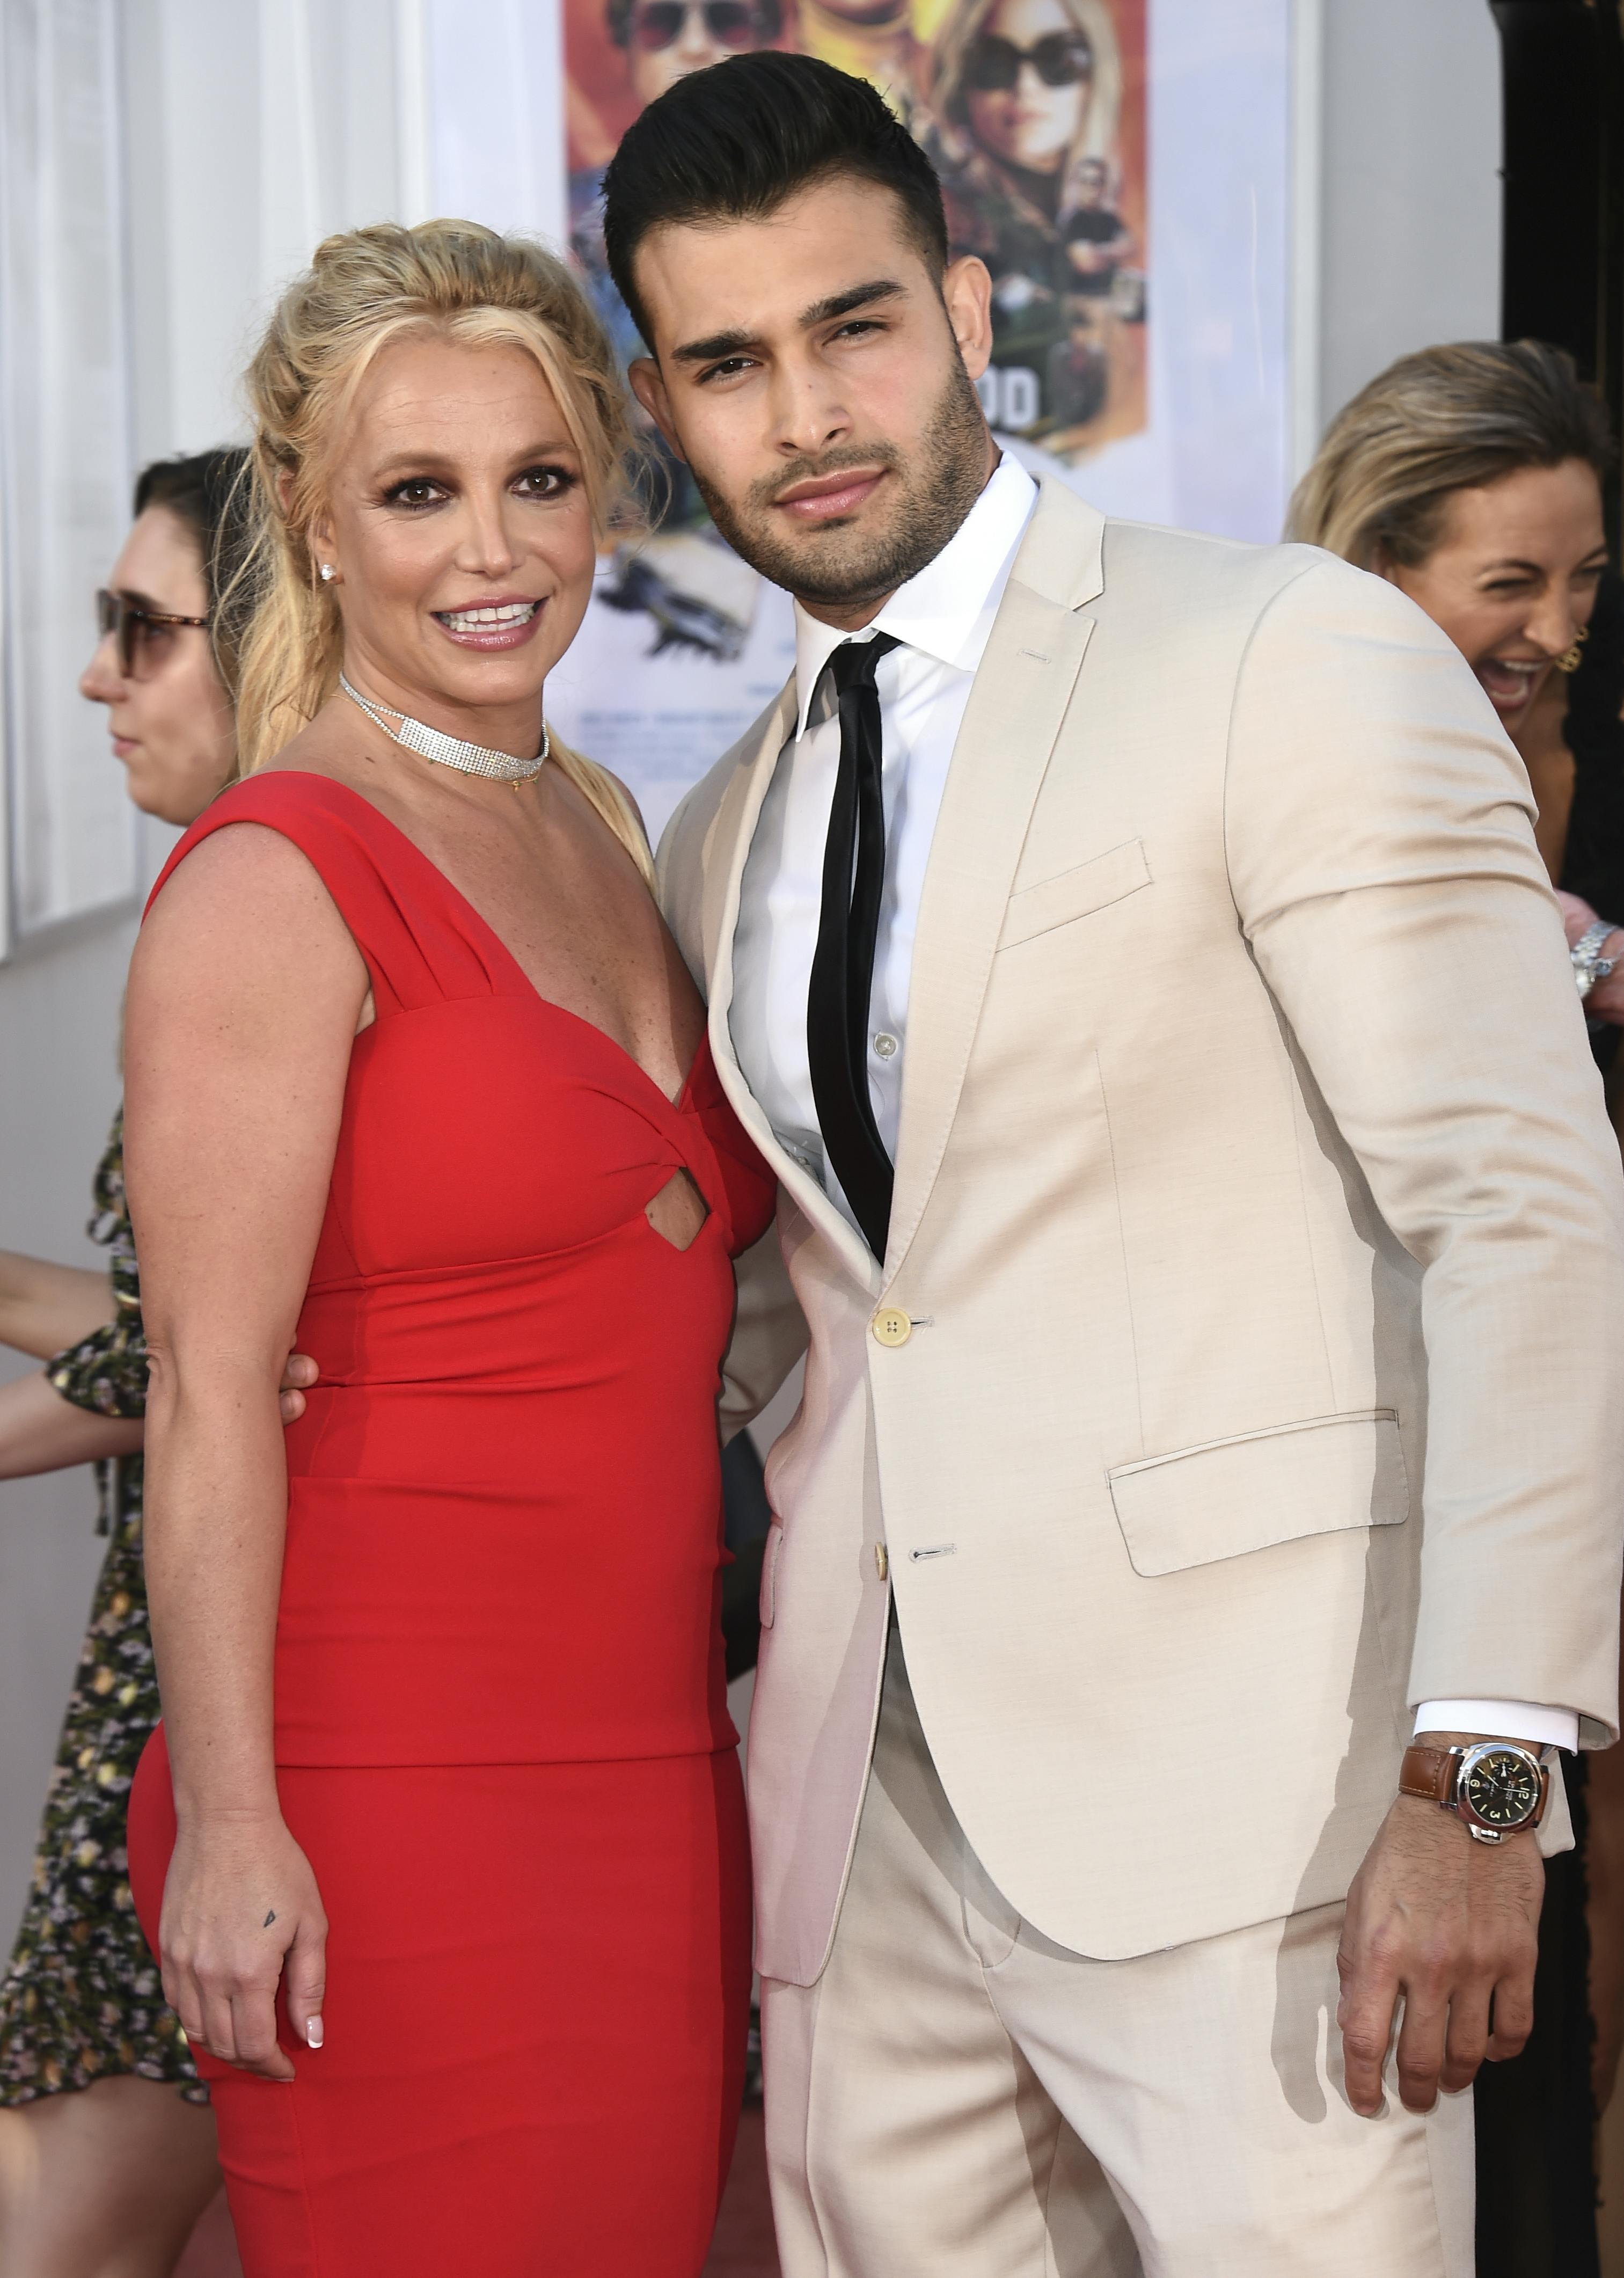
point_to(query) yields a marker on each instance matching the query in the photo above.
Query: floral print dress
(81, 1997)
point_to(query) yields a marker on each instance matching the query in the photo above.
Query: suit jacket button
(891, 1326)
(882, 1564)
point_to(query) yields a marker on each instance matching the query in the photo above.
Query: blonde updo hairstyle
(1444, 420)
(364, 291)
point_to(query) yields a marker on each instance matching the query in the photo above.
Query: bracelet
(1590, 966)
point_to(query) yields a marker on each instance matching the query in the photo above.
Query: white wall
(256, 127)
(1408, 183)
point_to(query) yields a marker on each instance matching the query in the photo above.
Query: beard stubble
(838, 566)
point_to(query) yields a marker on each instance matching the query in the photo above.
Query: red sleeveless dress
(501, 1728)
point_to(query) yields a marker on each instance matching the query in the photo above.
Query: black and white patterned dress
(81, 1997)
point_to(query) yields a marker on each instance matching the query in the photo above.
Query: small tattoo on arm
(269, 1918)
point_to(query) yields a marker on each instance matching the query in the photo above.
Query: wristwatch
(1495, 1786)
(1590, 966)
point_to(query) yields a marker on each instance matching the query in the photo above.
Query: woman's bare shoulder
(242, 854)
(248, 897)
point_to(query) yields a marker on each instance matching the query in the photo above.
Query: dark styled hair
(208, 493)
(733, 142)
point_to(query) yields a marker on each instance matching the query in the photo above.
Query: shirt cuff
(1502, 1720)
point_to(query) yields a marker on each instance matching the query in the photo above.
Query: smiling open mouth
(1510, 678)
(502, 617)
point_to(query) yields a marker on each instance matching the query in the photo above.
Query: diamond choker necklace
(451, 751)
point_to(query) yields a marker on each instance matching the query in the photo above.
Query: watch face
(1501, 1789)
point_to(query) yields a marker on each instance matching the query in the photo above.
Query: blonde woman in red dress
(442, 1838)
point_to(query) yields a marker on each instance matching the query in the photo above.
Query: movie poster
(1035, 113)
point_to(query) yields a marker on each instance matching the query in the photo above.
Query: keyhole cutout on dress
(678, 1211)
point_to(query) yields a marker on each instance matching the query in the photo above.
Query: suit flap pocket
(1074, 893)
(1229, 1496)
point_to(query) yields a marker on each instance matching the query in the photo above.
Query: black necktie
(842, 970)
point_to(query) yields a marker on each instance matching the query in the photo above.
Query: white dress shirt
(942, 620)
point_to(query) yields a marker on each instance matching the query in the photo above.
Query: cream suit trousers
(957, 2098)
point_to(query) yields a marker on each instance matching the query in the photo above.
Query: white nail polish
(313, 2032)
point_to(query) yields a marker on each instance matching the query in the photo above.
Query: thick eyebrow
(842, 304)
(711, 349)
(717, 346)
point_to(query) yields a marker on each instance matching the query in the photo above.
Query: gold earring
(1570, 659)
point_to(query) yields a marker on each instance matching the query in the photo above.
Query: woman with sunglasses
(107, 2144)
(1025, 93)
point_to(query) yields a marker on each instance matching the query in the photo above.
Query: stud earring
(328, 573)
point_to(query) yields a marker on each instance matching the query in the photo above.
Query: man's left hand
(1448, 1926)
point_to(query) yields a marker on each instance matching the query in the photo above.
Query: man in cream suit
(1204, 1232)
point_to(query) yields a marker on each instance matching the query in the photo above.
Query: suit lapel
(726, 852)
(1022, 689)
(732, 826)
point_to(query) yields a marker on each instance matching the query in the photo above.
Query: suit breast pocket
(1075, 894)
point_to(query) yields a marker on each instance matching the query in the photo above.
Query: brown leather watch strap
(1427, 1773)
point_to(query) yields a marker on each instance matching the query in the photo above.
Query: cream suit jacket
(1260, 1233)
